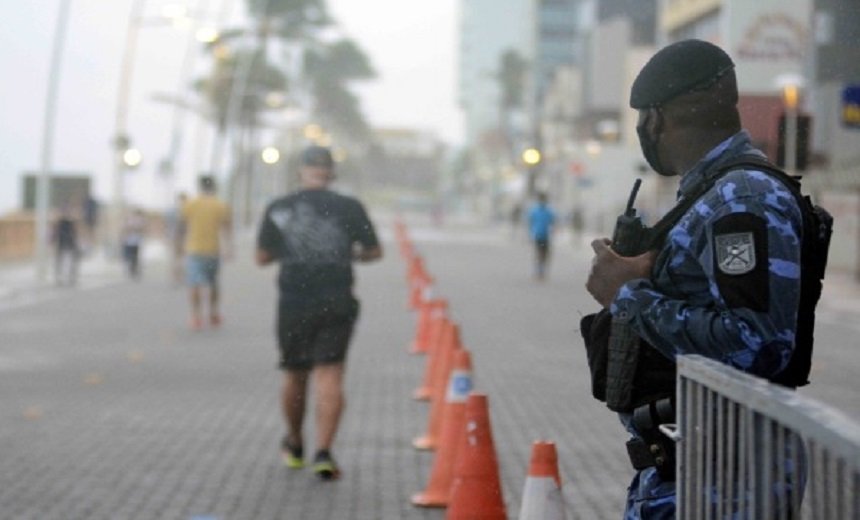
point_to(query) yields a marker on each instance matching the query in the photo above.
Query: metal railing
(749, 449)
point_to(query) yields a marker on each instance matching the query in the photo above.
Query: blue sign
(851, 106)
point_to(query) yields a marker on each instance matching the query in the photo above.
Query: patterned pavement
(112, 409)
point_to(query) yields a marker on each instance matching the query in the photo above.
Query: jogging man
(206, 219)
(315, 234)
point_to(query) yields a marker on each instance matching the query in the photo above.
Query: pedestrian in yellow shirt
(207, 220)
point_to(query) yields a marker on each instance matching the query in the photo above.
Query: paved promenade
(112, 409)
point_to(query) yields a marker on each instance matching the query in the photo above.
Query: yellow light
(270, 155)
(313, 131)
(531, 156)
(790, 94)
(593, 148)
(206, 34)
(132, 157)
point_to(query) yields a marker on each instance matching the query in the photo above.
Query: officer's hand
(609, 271)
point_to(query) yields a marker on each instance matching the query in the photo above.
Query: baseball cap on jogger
(317, 156)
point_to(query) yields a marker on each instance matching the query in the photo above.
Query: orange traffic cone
(542, 498)
(476, 492)
(430, 439)
(416, 269)
(429, 311)
(441, 343)
(453, 425)
(420, 290)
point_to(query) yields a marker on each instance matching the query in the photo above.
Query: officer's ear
(657, 120)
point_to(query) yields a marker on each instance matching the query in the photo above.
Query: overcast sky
(412, 45)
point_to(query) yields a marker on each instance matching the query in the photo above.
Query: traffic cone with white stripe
(441, 377)
(442, 341)
(453, 426)
(542, 498)
(428, 312)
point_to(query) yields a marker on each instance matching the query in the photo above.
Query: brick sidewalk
(113, 409)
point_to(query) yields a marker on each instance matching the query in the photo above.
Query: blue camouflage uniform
(725, 285)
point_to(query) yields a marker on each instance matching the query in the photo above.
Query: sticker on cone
(460, 386)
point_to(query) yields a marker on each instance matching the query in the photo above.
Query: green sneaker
(293, 456)
(325, 467)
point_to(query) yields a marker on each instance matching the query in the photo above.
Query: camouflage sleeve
(734, 268)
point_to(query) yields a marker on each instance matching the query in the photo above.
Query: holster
(653, 448)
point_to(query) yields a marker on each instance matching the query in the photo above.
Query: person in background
(91, 222)
(541, 220)
(315, 234)
(208, 237)
(133, 233)
(516, 216)
(67, 250)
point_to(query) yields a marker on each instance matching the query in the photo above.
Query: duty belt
(653, 449)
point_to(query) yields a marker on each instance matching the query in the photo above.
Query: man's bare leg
(328, 383)
(214, 315)
(196, 312)
(293, 399)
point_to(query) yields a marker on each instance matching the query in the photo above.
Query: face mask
(649, 146)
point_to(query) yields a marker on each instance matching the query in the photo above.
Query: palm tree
(218, 88)
(288, 18)
(236, 91)
(329, 70)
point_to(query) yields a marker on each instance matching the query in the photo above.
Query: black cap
(317, 156)
(207, 182)
(677, 69)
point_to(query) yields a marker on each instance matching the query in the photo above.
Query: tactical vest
(654, 376)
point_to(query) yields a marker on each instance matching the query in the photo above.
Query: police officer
(725, 281)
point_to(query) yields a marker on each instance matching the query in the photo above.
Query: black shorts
(315, 333)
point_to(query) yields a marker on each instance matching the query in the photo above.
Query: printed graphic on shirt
(310, 238)
(735, 253)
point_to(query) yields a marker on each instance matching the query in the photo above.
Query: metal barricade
(749, 449)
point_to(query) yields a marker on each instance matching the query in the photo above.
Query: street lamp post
(532, 159)
(125, 157)
(121, 140)
(790, 85)
(790, 98)
(43, 191)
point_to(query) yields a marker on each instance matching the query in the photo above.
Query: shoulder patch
(735, 252)
(741, 261)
